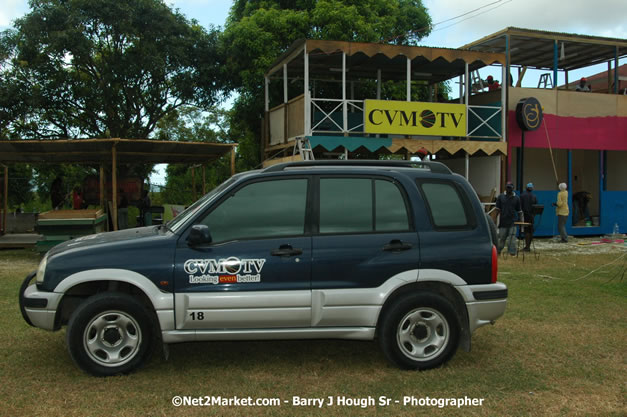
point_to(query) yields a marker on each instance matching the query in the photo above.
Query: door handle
(286, 250)
(397, 245)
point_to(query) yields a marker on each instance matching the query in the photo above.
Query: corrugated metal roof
(364, 59)
(535, 48)
(100, 150)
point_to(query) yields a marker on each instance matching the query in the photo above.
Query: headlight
(41, 270)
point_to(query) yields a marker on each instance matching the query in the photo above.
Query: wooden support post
(467, 94)
(521, 75)
(194, 184)
(114, 185)
(232, 160)
(616, 77)
(504, 90)
(102, 188)
(5, 199)
(408, 81)
(204, 182)
(555, 61)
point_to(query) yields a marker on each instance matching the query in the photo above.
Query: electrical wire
(602, 266)
(432, 26)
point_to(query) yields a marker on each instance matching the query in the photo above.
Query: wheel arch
(77, 287)
(443, 289)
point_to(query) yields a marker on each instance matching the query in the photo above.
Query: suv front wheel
(419, 331)
(110, 334)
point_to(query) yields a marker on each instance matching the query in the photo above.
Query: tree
(20, 184)
(97, 68)
(258, 31)
(188, 124)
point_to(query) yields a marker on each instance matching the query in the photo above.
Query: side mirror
(199, 235)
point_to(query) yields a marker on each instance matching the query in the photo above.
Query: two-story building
(365, 100)
(582, 140)
(330, 99)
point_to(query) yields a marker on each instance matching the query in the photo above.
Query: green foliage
(96, 68)
(20, 184)
(179, 184)
(258, 31)
(186, 124)
(71, 176)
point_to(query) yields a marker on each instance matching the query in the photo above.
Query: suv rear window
(446, 205)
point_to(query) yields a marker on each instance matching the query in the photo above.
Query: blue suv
(401, 252)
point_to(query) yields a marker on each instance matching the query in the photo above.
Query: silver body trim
(162, 302)
(482, 312)
(243, 309)
(262, 315)
(42, 317)
(354, 333)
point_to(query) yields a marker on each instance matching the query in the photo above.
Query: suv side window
(361, 205)
(260, 210)
(446, 205)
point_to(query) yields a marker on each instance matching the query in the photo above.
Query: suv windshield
(175, 224)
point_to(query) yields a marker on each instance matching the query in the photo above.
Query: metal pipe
(408, 79)
(344, 106)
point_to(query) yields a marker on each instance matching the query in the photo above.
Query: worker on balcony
(493, 84)
(582, 86)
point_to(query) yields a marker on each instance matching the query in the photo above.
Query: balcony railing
(329, 116)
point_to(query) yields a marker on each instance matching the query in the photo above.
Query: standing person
(123, 211)
(144, 209)
(508, 206)
(492, 83)
(580, 206)
(562, 211)
(57, 196)
(77, 198)
(582, 85)
(527, 201)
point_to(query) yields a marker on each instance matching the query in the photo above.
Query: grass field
(560, 349)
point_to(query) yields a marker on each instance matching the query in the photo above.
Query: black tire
(492, 228)
(419, 331)
(110, 334)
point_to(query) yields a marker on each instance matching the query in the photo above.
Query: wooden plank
(71, 214)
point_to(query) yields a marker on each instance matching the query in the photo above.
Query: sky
(456, 22)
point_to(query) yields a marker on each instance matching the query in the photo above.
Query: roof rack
(435, 167)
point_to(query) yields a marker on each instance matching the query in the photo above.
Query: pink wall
(596, 133)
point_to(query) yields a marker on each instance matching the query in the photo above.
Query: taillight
(495, 264)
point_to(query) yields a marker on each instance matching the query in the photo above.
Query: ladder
(476, 81)
(545, 80)
(303, 147)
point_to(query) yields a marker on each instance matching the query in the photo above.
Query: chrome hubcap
(422, 334)
(112, 338)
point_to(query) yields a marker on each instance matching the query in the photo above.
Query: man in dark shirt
(508, 206)
(581, 200)
(527, 200)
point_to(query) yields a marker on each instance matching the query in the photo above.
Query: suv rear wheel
(420, 331)
(110, 334)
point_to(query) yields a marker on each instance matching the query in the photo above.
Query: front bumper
(38, 308)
